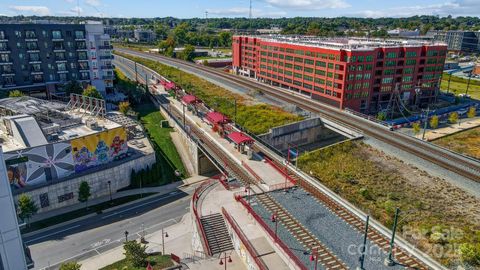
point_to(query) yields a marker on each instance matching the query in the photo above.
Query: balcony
(106, 67)
(105, 47)
(79, 38)
(107, 77)
(106, 57)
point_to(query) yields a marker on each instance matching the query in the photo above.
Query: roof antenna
(78, 8)
(250, 12)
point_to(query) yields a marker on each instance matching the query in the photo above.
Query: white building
(100, 57)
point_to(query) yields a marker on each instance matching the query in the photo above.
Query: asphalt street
(97, 234)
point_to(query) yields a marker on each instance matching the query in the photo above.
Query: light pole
(225, 258)
(389, 261)
(468, 83)
(110, 191)
(247, 193)
(273, 218)
(136, 73)
(164, 234)
(142, 239)
(426, 122)
(314, 258)
(362, 257)
(126, 236)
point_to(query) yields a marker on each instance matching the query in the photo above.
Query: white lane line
(50, 234)
(140, 205)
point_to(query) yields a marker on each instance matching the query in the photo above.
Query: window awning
(189, 99)
(240, 138)
(217, 118)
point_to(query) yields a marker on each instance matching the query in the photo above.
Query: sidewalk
(433, 134)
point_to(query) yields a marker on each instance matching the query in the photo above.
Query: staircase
(217, 234)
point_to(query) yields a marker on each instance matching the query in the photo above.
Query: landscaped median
(437, 217)
(256, 117)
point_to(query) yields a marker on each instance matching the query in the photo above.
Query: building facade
(461, 41)
(359, 74)
(13, 254)
(143, 35)
(42, 57)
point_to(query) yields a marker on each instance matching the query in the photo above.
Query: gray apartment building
(462, 41)
(42, 57)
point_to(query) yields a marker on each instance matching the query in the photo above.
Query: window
(299, 52)
(366, 84)
(308, 78)
(359, 76)
(320, 64)
(408, 71)
(350, 77)
(360, 59)
(2, 35)
(297, 75)
(34, 57)
(30, 34)
(32, 45)
(411, 62)
(56, 34)
(298, 60)
(18, 34)
(319, 81)
(432, 53)
(298, 67)
(330, 65)
(411, 54)
(390, 63)
(320, 72)
(367, 76)
(432, 61)
(4, 57)
(308, 70)
(387, 80)
(407, 79)
(389, 72)
(392, 55)
(368, 67)
(369, 58)
(319, 89)
(309, 61)
(62, 77)
(288, 65)
(288, 57)
(330, 74)
(61, 67)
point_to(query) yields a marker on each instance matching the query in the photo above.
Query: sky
(240, 8)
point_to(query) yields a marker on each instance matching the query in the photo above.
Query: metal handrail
(250, 249)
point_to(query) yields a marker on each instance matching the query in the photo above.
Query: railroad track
(353, 220)
(305, 237)
(461, 165)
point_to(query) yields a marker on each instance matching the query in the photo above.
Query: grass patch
(156, 261)
(465, 142)
(459, 85)
(432, 211)
(98, 208)
(151, 119)
(257, 118)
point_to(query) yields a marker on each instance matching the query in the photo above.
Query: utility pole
(468, 83)
(426, 122)
(449, 79)
(78, 8)
(362, 257)
(250, 11)
(136, 72)
(389, 260)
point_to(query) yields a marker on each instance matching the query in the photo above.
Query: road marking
(50, 234)
(138, 206)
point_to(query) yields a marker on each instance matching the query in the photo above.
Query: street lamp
(126, 236)
(314, 258)
(225, 258)
(362, 257)
(110, 191)
(273, 218)
(164, 234)
(142, 239)
(247, 193)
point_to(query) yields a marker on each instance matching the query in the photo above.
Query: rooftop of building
(29, 122)
(347, 43)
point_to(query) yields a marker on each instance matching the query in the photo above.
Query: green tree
(469, 253)
(188, 53)
(453, 117)
(73, 87)
(16, 93)
(84, 193)
(434, 122)
(225, 39)
(26, 207)
(382, 116)
(416, 128)
(472, 112)
(70, 266)
(135, 253)
(124, 107)
(91, 91)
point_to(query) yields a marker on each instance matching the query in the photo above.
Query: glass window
(56, 34)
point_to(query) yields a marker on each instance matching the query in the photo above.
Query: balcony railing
(107, 77)
(107, 67)
(105, 57)
(105, 47)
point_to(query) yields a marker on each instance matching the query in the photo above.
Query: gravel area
(468, 185)
(342, 239)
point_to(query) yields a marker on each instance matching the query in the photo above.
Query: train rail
(306, 238)
(459, 164)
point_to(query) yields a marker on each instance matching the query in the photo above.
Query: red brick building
(355, 73)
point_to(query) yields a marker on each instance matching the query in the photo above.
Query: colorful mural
(98, 149)
(38, 165)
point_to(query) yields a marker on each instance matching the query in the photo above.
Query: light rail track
(459, 164)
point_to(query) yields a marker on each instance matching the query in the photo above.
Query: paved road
(103, 232)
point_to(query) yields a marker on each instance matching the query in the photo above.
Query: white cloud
(36, 10)
(454, 8)
(307, 5)
(69, 1)
(93, 3)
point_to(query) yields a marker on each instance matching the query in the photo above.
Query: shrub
(453, 117)
(124, 107)
(416, 128)
(16, 93)
(472, 112)
(70, 266)
(469, 253)
(135, 253)
(434, 122)
(91, 91)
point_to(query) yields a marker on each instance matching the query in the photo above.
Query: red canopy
(239, 138)
(189, 99)
(169, 85)
(217, 118)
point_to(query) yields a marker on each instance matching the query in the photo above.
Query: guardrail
(246, 243)
(280, 170)
(272, 234)
(196, 195)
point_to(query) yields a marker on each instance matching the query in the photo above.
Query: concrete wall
(65, 193)
(299, 133)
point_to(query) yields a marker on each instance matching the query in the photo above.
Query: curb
(161, 193)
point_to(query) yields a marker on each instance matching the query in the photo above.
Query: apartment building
(457, 40)
(42, 57)
(360, 74)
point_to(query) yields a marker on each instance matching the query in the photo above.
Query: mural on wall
(38, 165)
(98, 149)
